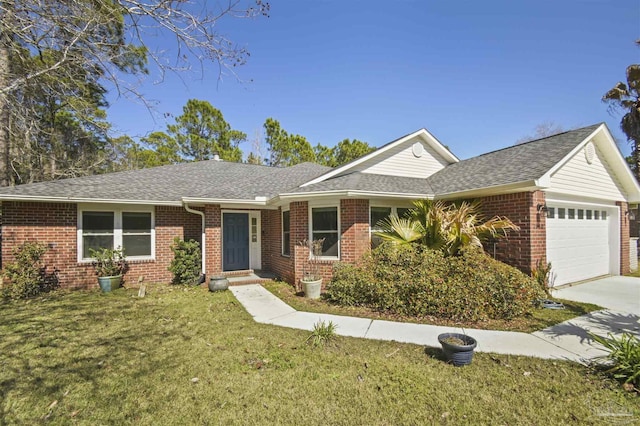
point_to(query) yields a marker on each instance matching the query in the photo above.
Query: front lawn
(187, 356)
(536, 320)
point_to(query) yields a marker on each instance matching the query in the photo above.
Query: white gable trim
(613, 156)
(422, 133)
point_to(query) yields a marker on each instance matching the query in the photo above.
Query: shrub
(624, 354)
(27, 276)
(186, 264)
(416, 281)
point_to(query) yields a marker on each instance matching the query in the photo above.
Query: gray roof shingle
(518, 163)
(368, 182)
(203, 179)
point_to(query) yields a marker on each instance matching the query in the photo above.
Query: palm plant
(448, 228)
(626, 97)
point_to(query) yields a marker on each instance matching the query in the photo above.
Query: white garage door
(580, 241)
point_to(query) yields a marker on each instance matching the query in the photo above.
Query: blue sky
(477, 75)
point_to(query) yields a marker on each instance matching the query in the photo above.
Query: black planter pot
(458, 354)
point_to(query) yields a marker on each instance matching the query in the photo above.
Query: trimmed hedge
(415, 281)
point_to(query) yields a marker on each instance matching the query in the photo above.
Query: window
(560, 213)
(376, 215)
(136, 233)
(596, 214)
(97, 231)
(551, 212)
(380, 213)
(604, 215)
(589, 214)
(580, 214)
(324, 224)
(131, 230)
(286, 233)
(571, 213)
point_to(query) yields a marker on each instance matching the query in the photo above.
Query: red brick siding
(624, 237)
(354, 224)
(56, 223)
(272, 258)
(523, 248)
(213, 231)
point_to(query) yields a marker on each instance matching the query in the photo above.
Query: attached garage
(583, 241)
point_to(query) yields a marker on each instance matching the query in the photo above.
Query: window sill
(85, 262)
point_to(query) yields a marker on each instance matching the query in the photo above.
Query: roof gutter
(527, 185)
(203, 240)
(342, 193)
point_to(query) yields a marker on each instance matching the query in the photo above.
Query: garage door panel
(577, 248)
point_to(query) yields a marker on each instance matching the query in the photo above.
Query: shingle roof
(519, 163)
(204, 179)
(238, 181)
(368, 182)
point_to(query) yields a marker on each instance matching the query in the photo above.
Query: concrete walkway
(567, 341)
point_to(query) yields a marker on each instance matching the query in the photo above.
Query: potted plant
(311, 277)
(458, 348)
(110, 266)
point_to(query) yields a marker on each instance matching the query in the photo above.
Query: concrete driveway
(621, 294)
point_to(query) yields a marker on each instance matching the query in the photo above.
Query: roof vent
(216, 156)
(589, 152)
(417, 149)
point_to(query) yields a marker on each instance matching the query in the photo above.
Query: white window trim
(117, 210)
(321, 206)
(282, 232)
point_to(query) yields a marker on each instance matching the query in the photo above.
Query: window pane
(604, 215)
(589, 214)
(580, 214)
(97, 222)
(551, 212)
(95, 242)
(378, 214)
(136, 245)
(286, 234)
(286, 244)
(560, 213)
(596, 214)
(136, 222)
(572, 213)
(325, 219)
(330, 245)
(403, 211)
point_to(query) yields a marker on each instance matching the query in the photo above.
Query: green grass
(90, 358)
(537, 320)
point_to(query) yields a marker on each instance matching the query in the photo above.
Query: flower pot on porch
(312, 288)
(458, 348)
(109, 283)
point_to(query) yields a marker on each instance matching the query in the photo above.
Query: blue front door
(235, 241)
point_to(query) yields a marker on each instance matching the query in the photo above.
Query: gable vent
(589, 152)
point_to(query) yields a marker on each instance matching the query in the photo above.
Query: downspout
(202, 243)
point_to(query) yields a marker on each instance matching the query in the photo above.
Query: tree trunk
(5, 44)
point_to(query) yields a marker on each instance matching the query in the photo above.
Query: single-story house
(569, 194)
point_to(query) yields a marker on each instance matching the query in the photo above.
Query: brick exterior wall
(624, 237)
(56, 224)
(272, 258)
(213, 236)
(354, 224)
(523, 248)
